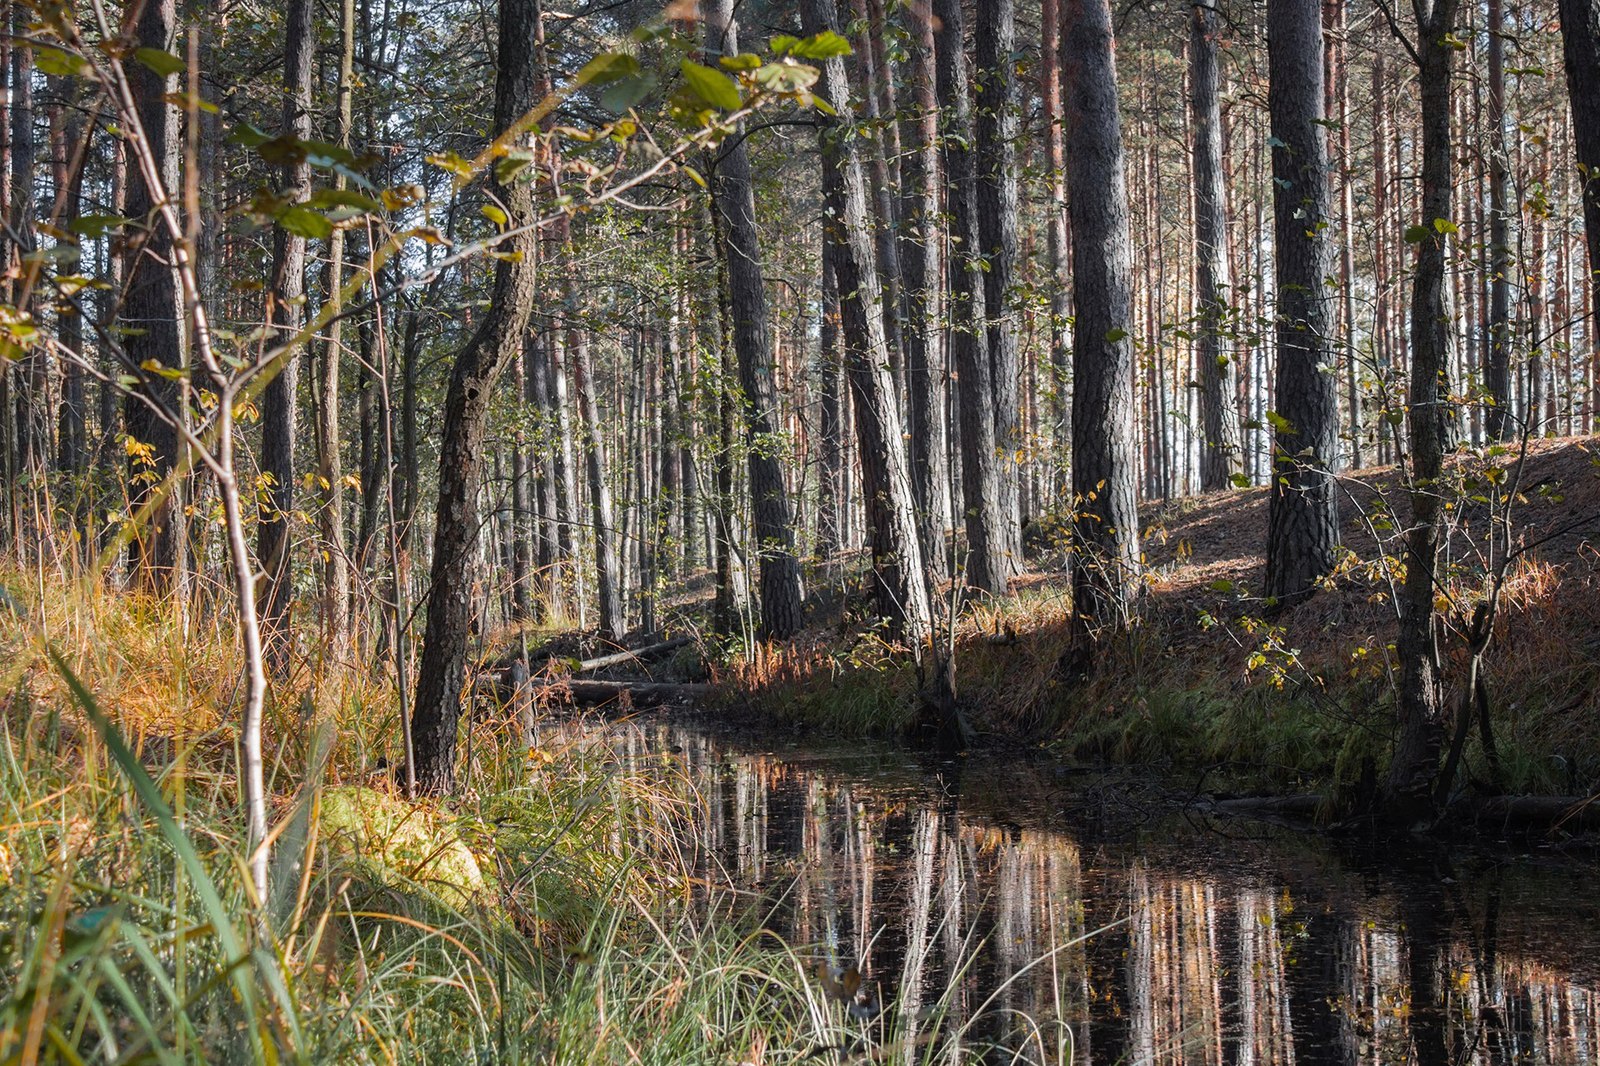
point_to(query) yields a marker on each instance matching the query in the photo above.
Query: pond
(1051, 915)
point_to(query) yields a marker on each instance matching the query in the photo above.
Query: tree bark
(1580, 37)
(153, 312)
(1060, 252)
(608, 573)
(982, 497)
(1422, 708)
(1303, 526)
(922, 237)
(477, 369)
(279, 399)
(1220, 452)
(995, 41)
(733, 196)
(900, 576)
(1501, 425)
(1105, 527)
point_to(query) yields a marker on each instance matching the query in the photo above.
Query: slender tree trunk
(1497, 364)
(995, 39)
(733, 195)
(1580, 37)
(330, 463)
(901, 577)
(478, 366)
(1104, 463)
(983, 498)
(1060, 252)
(1219, 418)
(924, 281)
(1303, 524)
(829, 516)
(152, 312)
(279, 399)
(1422, 709)
(608, 573)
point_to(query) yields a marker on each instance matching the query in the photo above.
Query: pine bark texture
(899, 574)
(152, 311)
(1422, 705)
(1580, 36)
(781, 593)
(981, 493)
(995, 41)
(1105, 526)
(1501, 423)
(1303, 525)
(1220, 452)
(478, 366)
(279, 400)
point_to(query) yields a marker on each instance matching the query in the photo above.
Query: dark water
(1074, 916)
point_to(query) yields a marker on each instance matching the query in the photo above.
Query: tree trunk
(733, 198)
(901, 578)
(1303, 526)
(1580, 36)
(1105, 523)
(1219, 418)
(1422, 709)
(1497, 364)
(830, 518)
(153, 313)
(477, 369)
(1060, 252)
(995, 41)
(923, 273)
(982, 495)
(330, 464)
(279, 398)
(608, 574)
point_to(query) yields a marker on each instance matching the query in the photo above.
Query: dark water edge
(1047, 916)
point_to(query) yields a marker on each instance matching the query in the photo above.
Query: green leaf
(494, 214)
(624, 93)
(1114, 336)
(1416, 234)
(1444, 225)
(1240, 481)
(825, 45)
(60, 64)
(304, 222)
(96, 226)
(783, 43)
(1279, 423)
(608, 67)
(343, 198)
(163, 63)
(742, 61)
(712, 86)
(1222, 585)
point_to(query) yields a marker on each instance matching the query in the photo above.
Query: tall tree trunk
(1219, 418)
(1105, 524)
(279, 399)
(982, 495)
(830, 518)
(478, 366)
(1422, 708)
(1303, 523)
(1580, 37)
(72, 436)
(330, 464)
(733, 196)
(608, 572)
(995, 41)
(152, 311)
(1060, 251)
(901, 578)
(1497, 364)
(922, 238)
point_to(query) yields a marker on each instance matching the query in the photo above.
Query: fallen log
(650, 651)
(637, 693)
(1536, 813)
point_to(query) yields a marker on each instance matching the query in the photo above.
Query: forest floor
(1212, 677)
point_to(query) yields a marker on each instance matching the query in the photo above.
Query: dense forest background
(367, 332)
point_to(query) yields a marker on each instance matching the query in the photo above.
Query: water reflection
(971, 903)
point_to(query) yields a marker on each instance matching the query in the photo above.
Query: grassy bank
(549, 913)
(1211, 677)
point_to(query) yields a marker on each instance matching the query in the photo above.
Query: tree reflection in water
(978, 915)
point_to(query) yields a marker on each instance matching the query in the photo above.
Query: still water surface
(1074, 915)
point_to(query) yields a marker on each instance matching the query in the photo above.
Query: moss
(401, 845)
